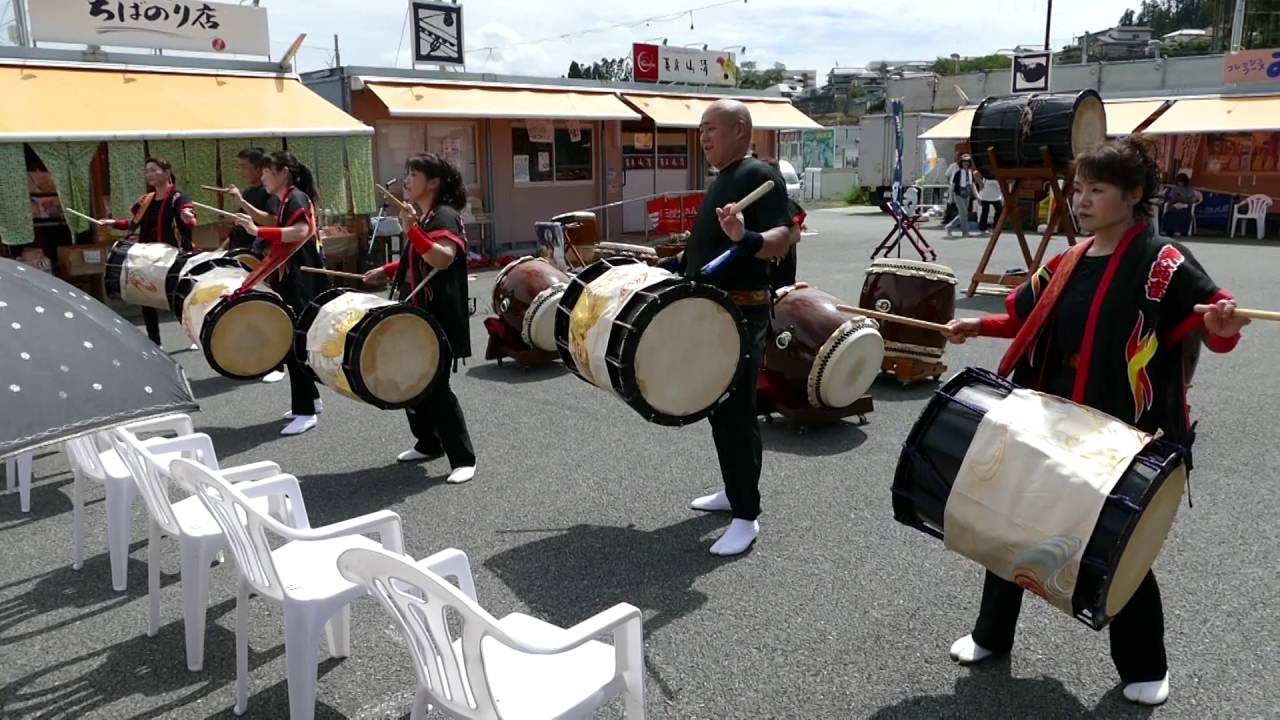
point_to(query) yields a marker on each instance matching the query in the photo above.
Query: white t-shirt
(990, 192)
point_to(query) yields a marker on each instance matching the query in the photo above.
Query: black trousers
(151, 317)
(735, 426)
(987, 206)
(438, 425)
(1137, 632)
(302, 387)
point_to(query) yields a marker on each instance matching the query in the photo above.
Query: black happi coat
(445, 296)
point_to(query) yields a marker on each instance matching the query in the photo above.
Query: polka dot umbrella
(70, 365)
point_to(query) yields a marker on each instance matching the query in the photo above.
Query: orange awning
(49, 104)
(686, 112)
(1219, 115)
(1125, 117)
(955, 127)
(443, 101)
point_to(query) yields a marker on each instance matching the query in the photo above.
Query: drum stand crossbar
(1010, 181)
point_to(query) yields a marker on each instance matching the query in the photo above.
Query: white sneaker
(319, 409)
(274, 376)
(299, 425)
(412, 455)
(461, 475)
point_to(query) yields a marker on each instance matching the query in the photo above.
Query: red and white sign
(191, 25)
(646, 162)
(665, 64)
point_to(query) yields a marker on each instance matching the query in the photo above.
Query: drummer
(254, 199)
(434, 277)
(289, 229)
(1106, 325)
(764, 230)
(782, 273)
(163, 214)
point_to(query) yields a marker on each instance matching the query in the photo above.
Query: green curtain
(124, 159)
(16, 225)
(360, 165)
(304, 148)
(202, 169)
(68, 164)
(331, 175)
(269, 144)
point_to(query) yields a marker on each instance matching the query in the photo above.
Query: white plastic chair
(92, 458)
(516, 667)
(1253, 208)
(17, 473)
(301, 575)
(200, 541)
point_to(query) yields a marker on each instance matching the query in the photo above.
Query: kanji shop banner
(664, 64)
(673, 214)
(159, 24)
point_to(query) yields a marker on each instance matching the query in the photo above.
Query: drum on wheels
(1061, 499)
(242, 337)
(525, 295)
(818, 352)
(920, 290)
(144, 273)
(372, 349)
(1017, 126)
(669, 347)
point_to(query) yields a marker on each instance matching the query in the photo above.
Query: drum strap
(1026, 336)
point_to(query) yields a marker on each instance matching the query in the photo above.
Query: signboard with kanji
(664, 64)
(438, 36)
(189, 25)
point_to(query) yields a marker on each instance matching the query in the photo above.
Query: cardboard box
(78, 260)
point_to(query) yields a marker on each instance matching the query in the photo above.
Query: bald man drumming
(762, 230)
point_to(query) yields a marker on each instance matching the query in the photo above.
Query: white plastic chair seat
(308, 569)
(538, 687)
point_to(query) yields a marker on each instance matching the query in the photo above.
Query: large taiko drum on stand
(1059, 498)
(915, 289)
(242, 337)
(525, 296)
(144, 273)
(1017, 126)
(581, 231)
(828, 356)
(669, 347)
(369, 348)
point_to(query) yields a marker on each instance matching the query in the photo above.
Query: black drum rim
(211, 321)
(307, 318)
(569, 299)
(639, 314)
(115, 267)
(354, 347)
(182, 286)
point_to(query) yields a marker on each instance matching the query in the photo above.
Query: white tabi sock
(735, 541)
(1148, 693)
(299, 425)
(967, 652)
(715, 502)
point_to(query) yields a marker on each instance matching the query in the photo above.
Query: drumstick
(332, 273)
(211, 188)
(218, 211)
(1245, 312)
(82, 216)
(887, 317)
(753, 196)
(392, 197)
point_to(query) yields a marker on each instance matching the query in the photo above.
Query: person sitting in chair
(1177, 210)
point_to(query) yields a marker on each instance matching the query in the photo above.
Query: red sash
(1031, 328)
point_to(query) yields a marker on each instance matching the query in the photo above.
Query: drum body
(525, 295)
(371, 349)
(144, 273)
(218, 258)
(827, 355)
(580, 231)
(1128, 530)
(670, 348)
(642, 253)
(242, 337)
(1017, 126)
(920, 290)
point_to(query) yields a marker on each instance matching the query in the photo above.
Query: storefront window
(569, 157)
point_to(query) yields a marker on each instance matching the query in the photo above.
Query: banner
(665, 64)
(669, 214)
(1251, 66)
(190, 25)
(438, 36)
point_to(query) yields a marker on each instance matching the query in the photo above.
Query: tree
(615, 69)
(986, 63)
(575, 70)
(1127, 18)
(749, 76)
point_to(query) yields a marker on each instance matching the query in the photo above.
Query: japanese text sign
(189, 25)
(1251, 66)
(663, 64)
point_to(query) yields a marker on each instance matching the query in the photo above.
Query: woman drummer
(288, 226)
(163, 214)
(433, 276)
(1109, 324)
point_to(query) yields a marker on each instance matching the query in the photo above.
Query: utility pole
(1237, 28)
(1048, 22)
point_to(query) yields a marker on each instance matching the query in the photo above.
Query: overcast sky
(803, 34)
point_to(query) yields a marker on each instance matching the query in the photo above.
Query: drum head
(249, 338)
(1146, 541)
(680, 384)
(1089, 125)
(400, 357)
(846, 366)
(539, 329)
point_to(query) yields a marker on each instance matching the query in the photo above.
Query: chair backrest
(82, 452)
(1258, 204)
(419, 602)
(152, 479)
(243, 526)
